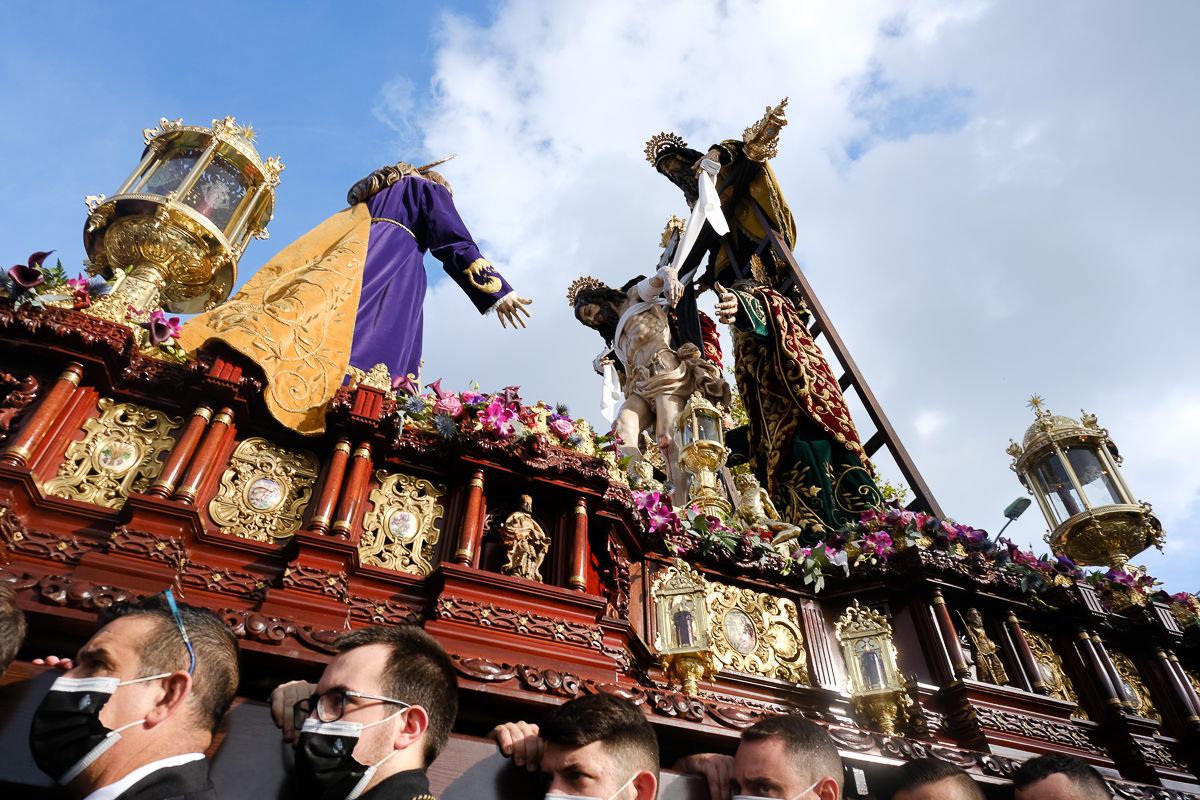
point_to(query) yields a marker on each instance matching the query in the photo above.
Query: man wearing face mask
(132, 719)
(380, 715)
(596, 747)
(783, 757)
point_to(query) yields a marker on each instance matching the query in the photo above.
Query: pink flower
(449, 405)
(562, 427)
(161, 328)
(498, 417)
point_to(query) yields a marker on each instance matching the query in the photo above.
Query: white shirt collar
(114, 790)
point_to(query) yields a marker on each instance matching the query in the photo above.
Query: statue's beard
(607, 324)
(687, 180)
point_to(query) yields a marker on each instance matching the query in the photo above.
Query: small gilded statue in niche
(525, 542)
(988, 666)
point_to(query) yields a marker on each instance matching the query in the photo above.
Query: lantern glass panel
(1093, 475)
(1057, 486)
(871, 663)
(171, 171)
(218, 191)
(710, 428)
(689, 432)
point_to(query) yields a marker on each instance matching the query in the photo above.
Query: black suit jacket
(186, 782)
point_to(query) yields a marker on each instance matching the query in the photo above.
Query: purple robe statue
(408, 217)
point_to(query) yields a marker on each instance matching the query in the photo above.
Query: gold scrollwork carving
(401, 529)
(263, 491)
(756, 633)
(1053, 674)
(119, 453)
(1134, 689)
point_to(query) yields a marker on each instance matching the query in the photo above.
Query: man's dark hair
(215, 680)
(812, 753)
(626, 733)
(418, 671)
(1090, 783)
(12, 626)
(922, 771)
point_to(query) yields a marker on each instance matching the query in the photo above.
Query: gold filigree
(762, 138)
(756, 633)
(119, 453)
(1050, 665)
(263, 491)
(682, 635)
(876, 690)
(401, 529)
(659, 143)
(483, 277)
(1133, 688)
(584, 284)
(164, 126)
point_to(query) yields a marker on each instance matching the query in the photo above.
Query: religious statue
(350, 292)
(800, 441)
(988, 666)
(525, 542)
(656, 379)
(756, 511)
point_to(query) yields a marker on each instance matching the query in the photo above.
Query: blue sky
(81, 80)
(988, 202)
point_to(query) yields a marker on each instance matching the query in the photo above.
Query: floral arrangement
(500, 416)
(161, 331)
(874, 539)
(36, 284)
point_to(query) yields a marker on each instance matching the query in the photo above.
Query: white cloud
(1046, 242)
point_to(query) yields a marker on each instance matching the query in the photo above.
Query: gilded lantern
(702, 454)
(1071, 469)
(877, 692)
(682, 625)
(179, 223)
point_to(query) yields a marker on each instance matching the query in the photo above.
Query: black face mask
(325, 765)
(67, 735)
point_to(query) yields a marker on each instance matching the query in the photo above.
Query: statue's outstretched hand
(672, 288)
(510, 308)
(727, 305)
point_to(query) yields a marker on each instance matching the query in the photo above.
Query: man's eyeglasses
(331, 705)
(187, 642)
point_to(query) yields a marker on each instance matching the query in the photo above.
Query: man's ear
(646, 785)
(827, 789)
(177, 687)
(413, 727)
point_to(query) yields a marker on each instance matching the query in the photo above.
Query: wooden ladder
(884, 434)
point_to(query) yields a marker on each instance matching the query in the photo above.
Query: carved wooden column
(206, 457)
(470, 533)
(579, 548)
(1029, 664)
(24, 443)
(958, 662)
(822, 665)
(1100, 677)
(350, 507)
(1179, 686)
(331, 488)
(1111, 669)
(181, 453)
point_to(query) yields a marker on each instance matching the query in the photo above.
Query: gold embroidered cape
(295, 318)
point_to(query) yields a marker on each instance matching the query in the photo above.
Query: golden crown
(661, 142)
(585, 284)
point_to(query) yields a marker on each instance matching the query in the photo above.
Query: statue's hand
(711, 155)
(600, 362)
(727, 305)
(510, 308)
(672, 288)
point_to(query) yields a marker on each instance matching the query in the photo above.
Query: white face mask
(793, 797)
(562, 796)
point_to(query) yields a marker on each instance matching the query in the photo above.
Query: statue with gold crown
(800, 441)
(349, 294)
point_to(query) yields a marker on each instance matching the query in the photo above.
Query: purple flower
(406, 384)
(444, 424)
(562, 427)
(472, 398)
(29, 275)
(498, 417)
(162, 329)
